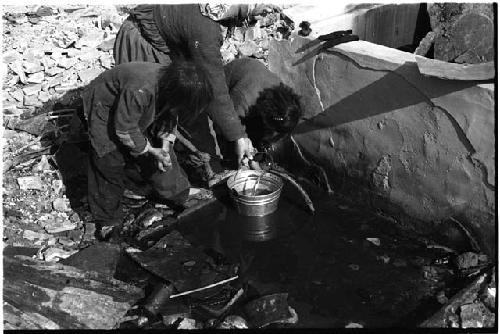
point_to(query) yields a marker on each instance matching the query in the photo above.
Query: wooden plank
(451, 71)
(50, 295)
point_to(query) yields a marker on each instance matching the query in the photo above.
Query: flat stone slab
(41, 295)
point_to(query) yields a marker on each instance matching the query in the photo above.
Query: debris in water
(233, 322)
(353, 325)
(375, 241)
(223, 310)
(354, 267)
(270, 309)
(188, 323)
(385, 258)
(189, 263)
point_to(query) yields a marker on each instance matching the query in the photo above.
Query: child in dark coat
(127, 108)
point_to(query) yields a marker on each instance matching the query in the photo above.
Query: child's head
(184, 92)
(274, 116)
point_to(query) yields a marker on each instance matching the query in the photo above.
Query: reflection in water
(250, 228)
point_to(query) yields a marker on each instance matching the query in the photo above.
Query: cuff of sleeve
(171, 138)
(143, 151)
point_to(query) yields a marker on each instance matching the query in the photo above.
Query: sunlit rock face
(424, 145)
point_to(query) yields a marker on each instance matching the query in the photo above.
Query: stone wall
(423, 144)
(391, 25)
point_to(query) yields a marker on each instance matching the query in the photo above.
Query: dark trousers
(110, 174)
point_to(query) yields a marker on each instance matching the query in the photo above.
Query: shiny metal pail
(255, 193)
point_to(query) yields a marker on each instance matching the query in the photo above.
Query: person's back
(130, 86)
(246, 79)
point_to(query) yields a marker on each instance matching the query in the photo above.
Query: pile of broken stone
(48, 51)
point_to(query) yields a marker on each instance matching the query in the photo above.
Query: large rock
(426, 146)
(464, 32)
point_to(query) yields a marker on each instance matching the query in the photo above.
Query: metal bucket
(255, 193)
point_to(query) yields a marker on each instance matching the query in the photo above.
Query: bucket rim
(272, 177)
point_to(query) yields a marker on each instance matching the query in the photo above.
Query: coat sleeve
(129, 109)
(221, 110)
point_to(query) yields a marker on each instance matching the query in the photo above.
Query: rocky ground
(49, 54)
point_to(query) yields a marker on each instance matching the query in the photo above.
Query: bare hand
(163, 158)
(244, 149)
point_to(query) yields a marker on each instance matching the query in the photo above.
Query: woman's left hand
(244, 149)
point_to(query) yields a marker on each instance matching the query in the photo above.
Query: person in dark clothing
(162, 33)
(128, 109)
(269, 109)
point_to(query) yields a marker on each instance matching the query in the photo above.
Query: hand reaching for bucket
(244, 151)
